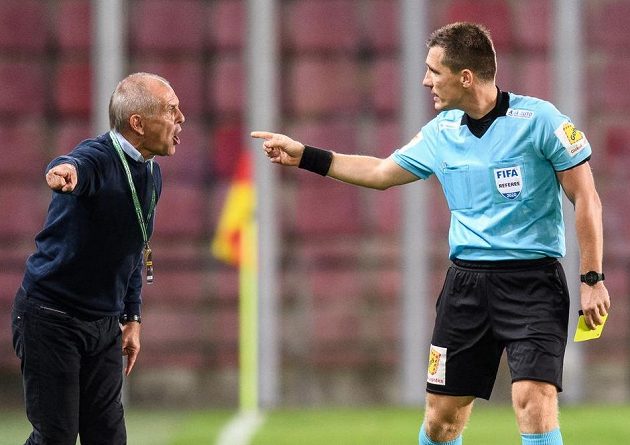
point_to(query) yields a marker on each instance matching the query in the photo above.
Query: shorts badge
(509, 181)
(436, 374)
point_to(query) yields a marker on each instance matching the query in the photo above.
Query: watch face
(591, 278)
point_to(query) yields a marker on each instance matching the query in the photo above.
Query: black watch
(125, 318)
(591, 277)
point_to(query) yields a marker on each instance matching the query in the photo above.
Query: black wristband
(316, 160)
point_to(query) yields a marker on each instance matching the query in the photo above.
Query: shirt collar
(129, 149)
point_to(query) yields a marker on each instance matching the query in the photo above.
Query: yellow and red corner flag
(235, 242)
(238, 211)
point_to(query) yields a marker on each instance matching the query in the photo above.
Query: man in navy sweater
(79, 303)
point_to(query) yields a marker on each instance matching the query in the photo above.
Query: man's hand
(280, 149)
(130, 343)
(62, 178)
(595, 303)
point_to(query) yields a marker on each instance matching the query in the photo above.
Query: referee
(502, 160)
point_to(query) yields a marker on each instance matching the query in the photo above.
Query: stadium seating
(73, 23)
(608, 26)
(22, 88)
(614, 75)
(226, 85)
(226, 145)
(325, 207)
(170, 29)
(533, 21)
(182, 211)
(386, 95)
(24, 151)
(494, 14)
(23, 209)
(67, 135)
(227, 25)
(322, 85)
(72, 91)
(381, 27)
(325, 25)
(23, 26)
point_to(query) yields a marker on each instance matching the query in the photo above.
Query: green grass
(489, 425)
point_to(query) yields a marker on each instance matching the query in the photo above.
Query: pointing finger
(262, 134)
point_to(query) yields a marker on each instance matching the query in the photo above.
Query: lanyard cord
(136, 202)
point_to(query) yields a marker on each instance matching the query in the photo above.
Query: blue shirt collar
(129, 149)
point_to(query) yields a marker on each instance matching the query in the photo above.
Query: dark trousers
(72, 374)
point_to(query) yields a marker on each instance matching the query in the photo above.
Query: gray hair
(133, 96)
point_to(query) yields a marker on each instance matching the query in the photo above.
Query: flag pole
(248, 318)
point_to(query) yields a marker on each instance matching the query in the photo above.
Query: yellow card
(583, 332)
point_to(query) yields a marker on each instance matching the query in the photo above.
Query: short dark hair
(466, 46)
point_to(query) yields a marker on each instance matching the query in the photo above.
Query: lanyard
(144, 226)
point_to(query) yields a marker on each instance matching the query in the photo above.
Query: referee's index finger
(262, 134)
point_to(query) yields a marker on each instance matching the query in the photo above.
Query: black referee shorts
(485, 307)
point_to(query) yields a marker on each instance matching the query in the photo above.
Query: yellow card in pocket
(583, 332)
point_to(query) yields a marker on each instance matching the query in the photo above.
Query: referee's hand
(595, 303)
(280, 149)
(62, 178)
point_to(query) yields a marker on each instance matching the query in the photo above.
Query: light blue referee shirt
(501, 188)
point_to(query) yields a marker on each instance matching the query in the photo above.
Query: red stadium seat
(386, 210)
(536, 74)
(25, 155)
(181, 211)
(188, 18)
(73, 94)
(224, 329)
(617, 145)
(323, 85)
(22, 88)
(615, 73)
(23, 209)
(324, 207)
(223, 285)
(173, 284)
(227, 86)
(227, 24)
(186, 76)
(494, 14)
(172, 337)
(382, 30)
(68, 135)
(388, 137)
(335, 134)
(608, 25)
(225, 148)
(74, 25)
(533, 22)
(325, 25)
(23, 26)
(386, 85)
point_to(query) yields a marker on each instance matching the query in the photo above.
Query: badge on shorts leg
(436, 374)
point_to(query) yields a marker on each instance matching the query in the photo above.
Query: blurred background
(340, 269)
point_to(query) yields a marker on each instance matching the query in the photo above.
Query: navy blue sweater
(88, 259)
